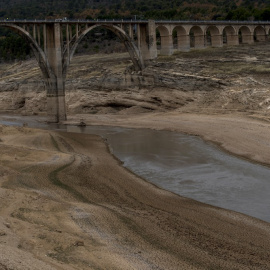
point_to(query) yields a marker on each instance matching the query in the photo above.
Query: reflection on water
(188, 166)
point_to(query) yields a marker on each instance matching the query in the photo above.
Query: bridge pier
(152, 40)
(217, 40)
(247, 38)
(142, 42)
(147, 40)
(55, 82)
(166, 44)
(232, 40)
(260, 37)
(199, 41)
(183, 42)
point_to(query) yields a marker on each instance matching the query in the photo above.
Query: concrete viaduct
(54, 43)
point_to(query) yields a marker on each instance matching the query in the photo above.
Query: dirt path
(66, 203)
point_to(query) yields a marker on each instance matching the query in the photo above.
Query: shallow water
(185, 165)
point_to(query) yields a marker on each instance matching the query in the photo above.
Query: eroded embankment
(68, 204)
(228, 79)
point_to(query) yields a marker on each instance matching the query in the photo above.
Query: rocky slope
(209, 81)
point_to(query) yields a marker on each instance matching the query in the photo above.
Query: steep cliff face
(210, 80)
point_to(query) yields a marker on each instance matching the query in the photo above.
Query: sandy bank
(66, 203)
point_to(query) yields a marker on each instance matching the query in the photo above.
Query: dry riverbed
(66, 203)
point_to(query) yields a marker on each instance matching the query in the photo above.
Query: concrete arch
(259, 33)
(183, 40)
(230, 35)
(165, 40)
(245, 35)
(129, 44)
(214, 36)
(52, 72)
(196, 34)
(38, 52)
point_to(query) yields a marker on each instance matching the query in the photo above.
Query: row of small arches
(185, 37)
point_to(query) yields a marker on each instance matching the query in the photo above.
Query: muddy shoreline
(239, 143)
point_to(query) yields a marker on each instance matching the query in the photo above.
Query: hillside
(155, 9)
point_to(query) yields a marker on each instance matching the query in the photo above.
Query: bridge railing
(124, 21)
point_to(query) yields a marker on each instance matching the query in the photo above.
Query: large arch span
(130, 46)
(37, 50)
(54, 44)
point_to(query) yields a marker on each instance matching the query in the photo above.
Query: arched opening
(213, 37)
(196, 37)
(259, 34)
(158, 40)
(120, 33)
(101, 69)
(230, 37)
(181, 38)
(100, 40)
(16, 47)
(32, 34)
(48, 61)
(13, 46)
(165, 39)
(245, 35)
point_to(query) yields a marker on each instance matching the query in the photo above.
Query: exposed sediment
(212, 80)
(68, 204)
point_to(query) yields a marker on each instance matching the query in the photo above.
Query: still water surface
(185, 165)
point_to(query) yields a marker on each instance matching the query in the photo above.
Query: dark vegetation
(142, 9)
(13, 46)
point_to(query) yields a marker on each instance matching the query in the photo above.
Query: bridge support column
(147, 40)
(152, 41)
(166, 44)
(55, 84)
(131, 31)
(247, 38)
(183, 42)
(199, 41)
(261, 37)
(142, 41)
(217, 40)
(232, 40)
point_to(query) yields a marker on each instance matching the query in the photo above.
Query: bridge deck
(63, 21)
